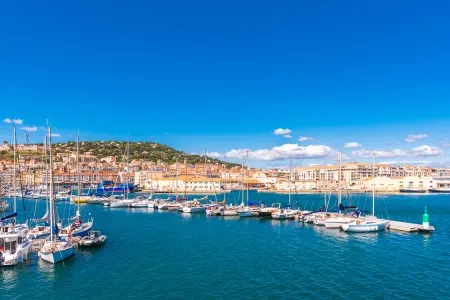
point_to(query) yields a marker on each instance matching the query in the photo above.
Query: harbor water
(167, 255)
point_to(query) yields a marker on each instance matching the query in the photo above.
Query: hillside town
(215, 177)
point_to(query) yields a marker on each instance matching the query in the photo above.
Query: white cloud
(15, 121)
(446, 145)
(426, 150)
(380, 153)
(56, 135)
(415, 137)
(213, 154)
(34, 128)
(305, 138)
(285, 151)
(281, 131)
(288, 136)
(352, 145)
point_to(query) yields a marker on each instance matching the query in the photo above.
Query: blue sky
(224, 75)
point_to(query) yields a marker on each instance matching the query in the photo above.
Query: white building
(264, 178)
(296, 185)
(194, 184)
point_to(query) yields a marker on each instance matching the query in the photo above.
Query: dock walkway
(408, 227)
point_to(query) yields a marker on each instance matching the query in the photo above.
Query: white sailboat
(54, 250)
(246, 211)
(338, 221)
(42, 229)
(286, 213)
(120, 203)
(369, 224)
(78, 227)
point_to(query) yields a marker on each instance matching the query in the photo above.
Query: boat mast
(206, 174)
(290, 178)
(324, 179)
(128, 168)
(47, 205)
(185, 175)
(176, 178)
(242, 187)
(224, 190)
(14, 174)
(78, 172)
(52, 199)
(373, 186)
(339, 178)
(246, 160)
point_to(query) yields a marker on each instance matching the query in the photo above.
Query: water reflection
(8, 276)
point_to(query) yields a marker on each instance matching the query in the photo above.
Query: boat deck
(408, 227)
(37, 244)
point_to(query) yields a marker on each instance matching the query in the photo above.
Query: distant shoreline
(302, 192)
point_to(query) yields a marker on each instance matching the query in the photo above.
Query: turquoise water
(169, 255)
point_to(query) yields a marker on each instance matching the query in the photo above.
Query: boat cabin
(94, 234)
(8, 244)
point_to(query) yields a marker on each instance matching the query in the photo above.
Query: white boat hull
(56, 256)
(19, 256)
(366, 226)
(143, 204)
(336, 223)
(248, 213)
(192, 210)
(118, 204)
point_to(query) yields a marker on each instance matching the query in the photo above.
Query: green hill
(138, 150)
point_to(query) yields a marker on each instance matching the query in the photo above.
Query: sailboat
(286, 213)
(42, 228)
(54, 250)
(368, 224)
(77, 228)
(14, 244)
(192, 207)
(118, 203)
(319, 218)
(248, 210)
(338, 221)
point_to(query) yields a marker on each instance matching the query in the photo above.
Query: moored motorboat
(285, 214)
(413, 190)
(14, 244)
(93, 239)
(266, 212)
(440, 190)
